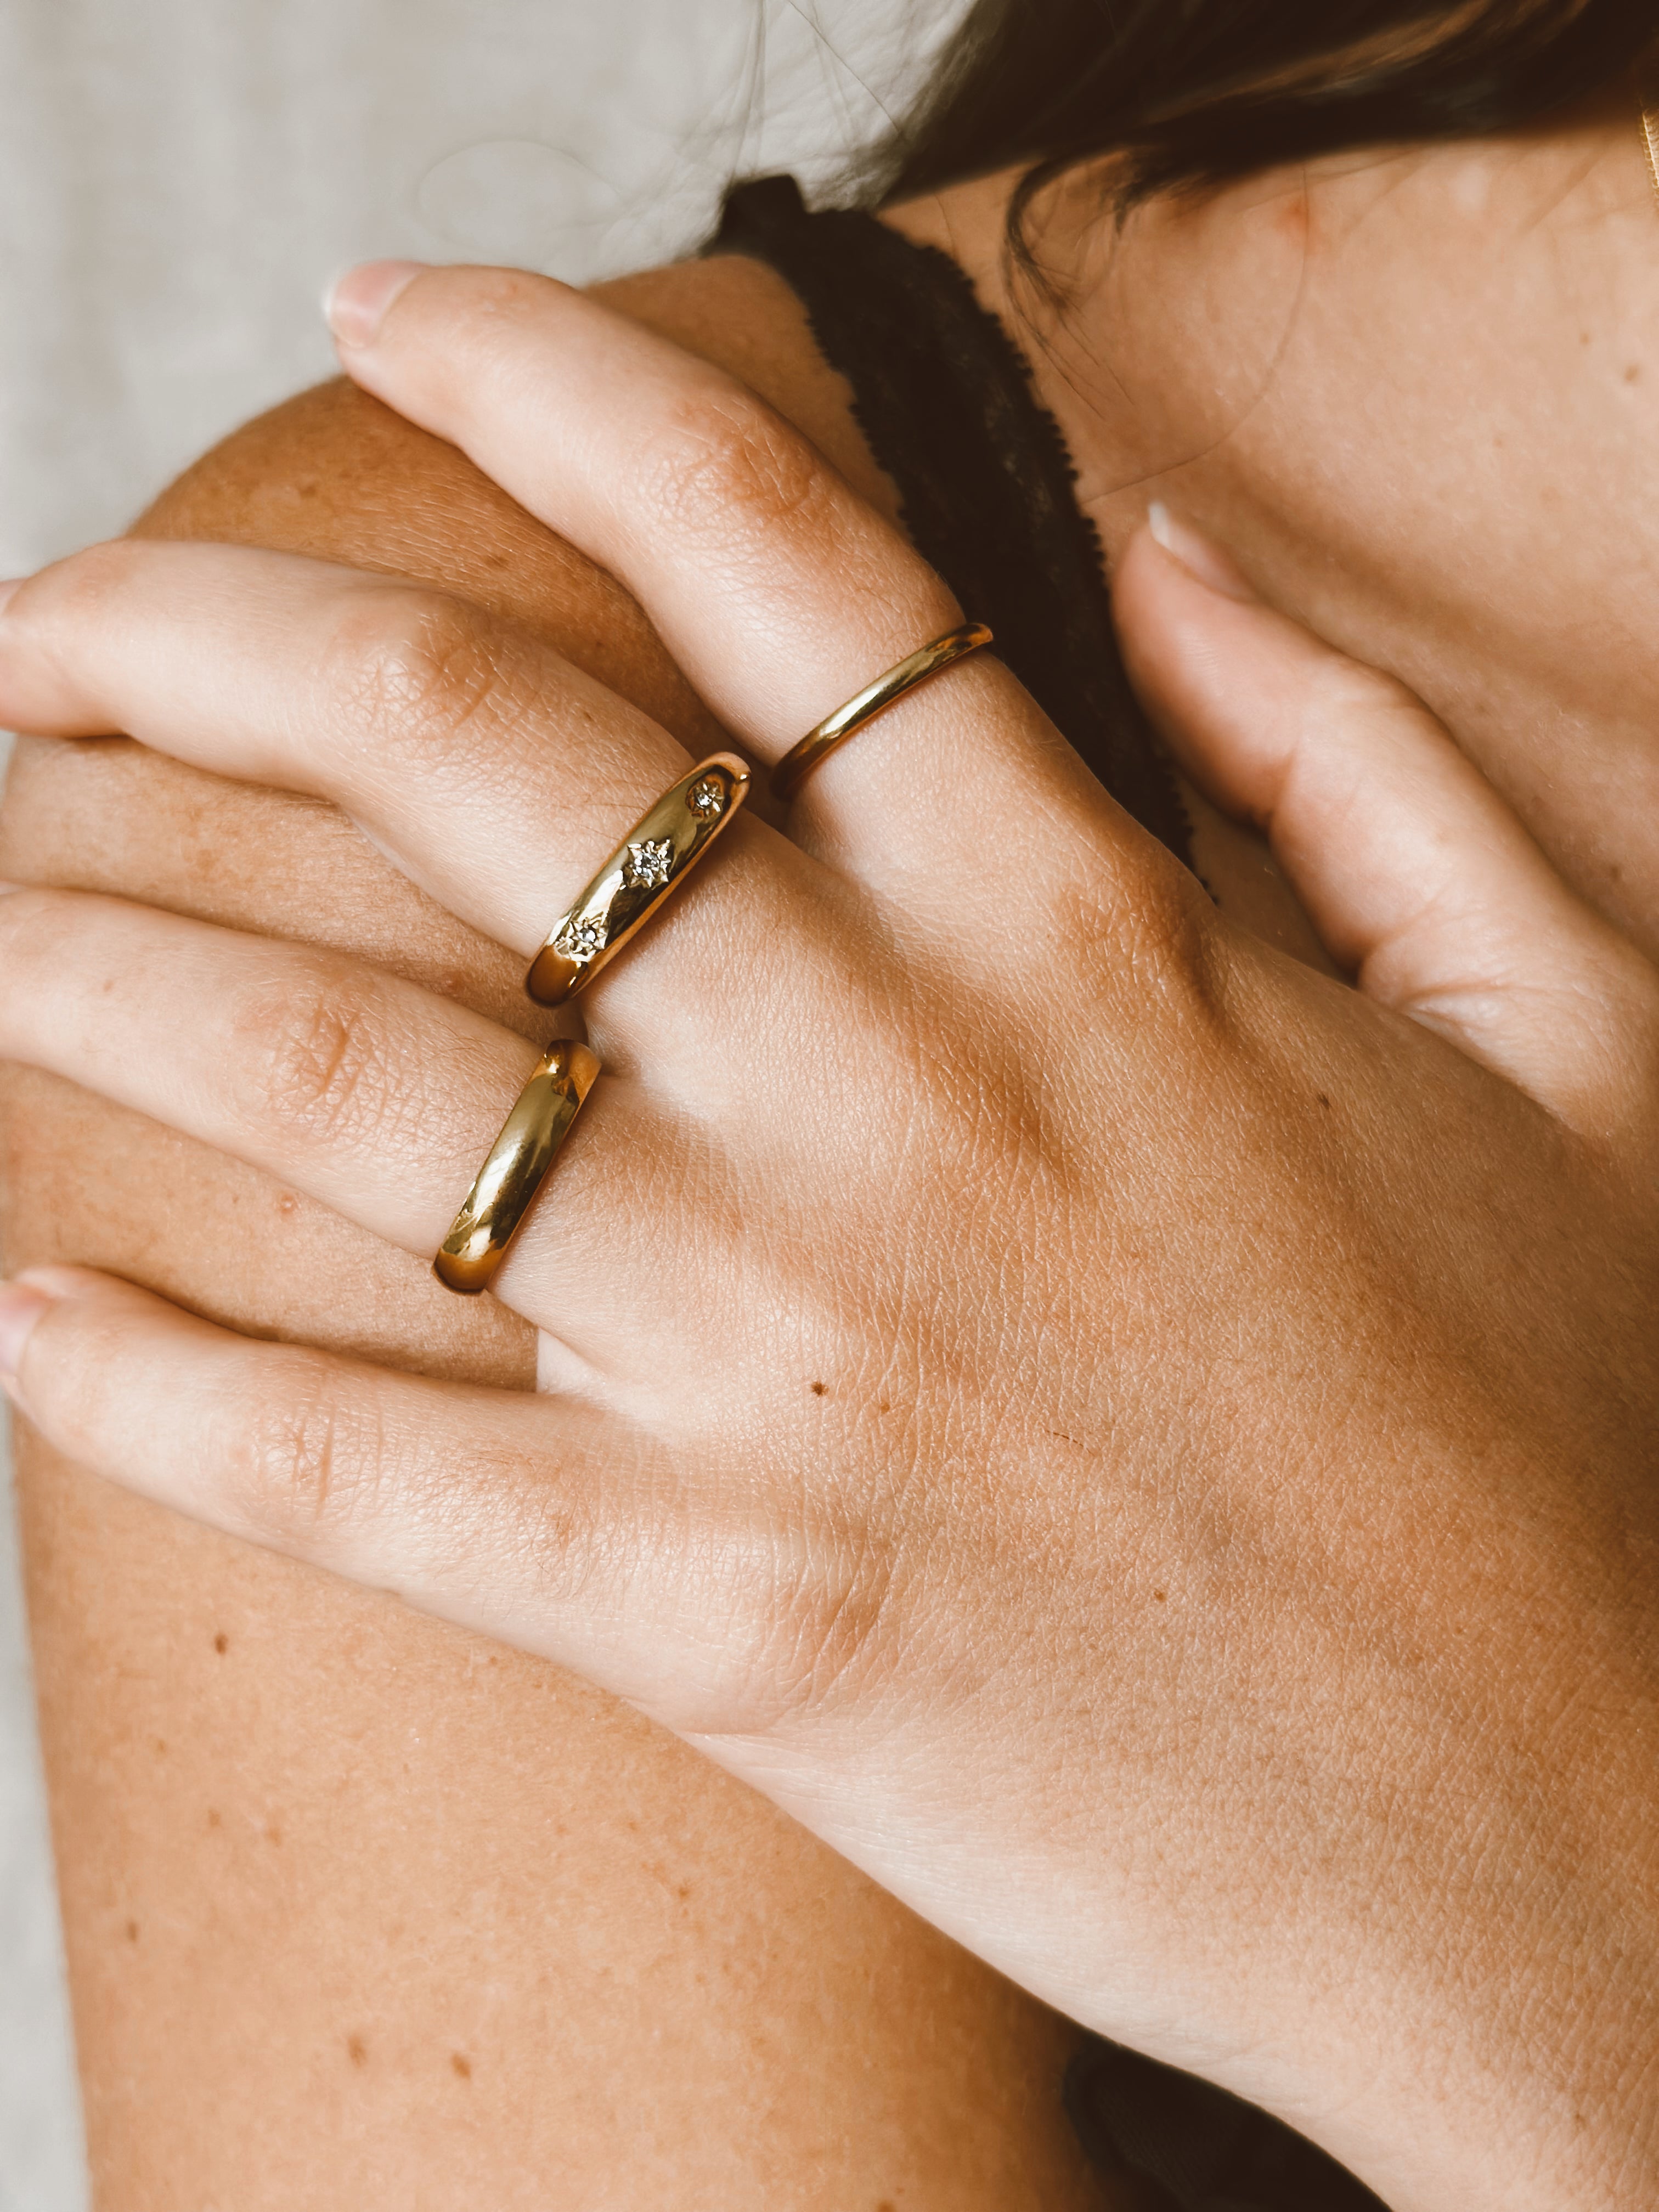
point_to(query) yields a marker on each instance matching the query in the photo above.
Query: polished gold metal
(651, 862)
(798, 763)
(1650, 136)
(516, 1167)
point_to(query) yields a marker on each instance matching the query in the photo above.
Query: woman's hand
(1146, 1449)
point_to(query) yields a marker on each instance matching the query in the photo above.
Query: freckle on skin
(1632, 372)
(818, 1389)
(462, 2066)
(1161, 1596)
(273, 1834)
(132, 1931)
(221, 1644)
(160, 1746)
(357, 2050)
(214, 1820)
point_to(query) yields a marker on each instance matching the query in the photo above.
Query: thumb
(1418, 878)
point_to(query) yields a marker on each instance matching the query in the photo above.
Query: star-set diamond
(582, 939)
(707, 798)
(648, 866)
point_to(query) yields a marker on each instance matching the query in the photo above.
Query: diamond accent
(581, 939)
(707, 798)
(648, 866)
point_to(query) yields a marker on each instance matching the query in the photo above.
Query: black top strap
(985, 483)
(1192, 2146)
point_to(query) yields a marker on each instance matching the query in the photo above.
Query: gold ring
(516, 1166)
(798, 763)
(652, 860)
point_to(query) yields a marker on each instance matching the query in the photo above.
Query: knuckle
(1145, 933)
(1346, 699)
(82, 586)
(821, 1599)
(1170, 941)
(319, 1059)
(723, 461)
(32, 926)
(838, 1621)
(66, 602)
(302, 1461)
(417, 669)
(1341, 686)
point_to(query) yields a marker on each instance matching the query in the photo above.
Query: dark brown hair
(1192, 92)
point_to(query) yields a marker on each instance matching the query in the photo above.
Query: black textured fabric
(1194, 2147)
(946, 404)
(985, 483)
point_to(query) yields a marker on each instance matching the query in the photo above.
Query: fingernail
(356, 304)
(22, 1305)
(1200, 556)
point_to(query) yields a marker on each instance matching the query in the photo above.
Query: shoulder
(333, 473)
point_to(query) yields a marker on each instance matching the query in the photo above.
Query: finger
(515, 1514)
(778, 590)
(1417, 877)
(366, 1092)
(497, 775)
(553, 1524)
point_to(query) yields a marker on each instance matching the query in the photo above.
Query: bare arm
(361, 1912)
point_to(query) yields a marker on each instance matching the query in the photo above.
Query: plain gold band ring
(798, 763)
(516, 1166)
(650, 863)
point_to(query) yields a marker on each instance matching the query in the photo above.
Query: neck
(1417, 394)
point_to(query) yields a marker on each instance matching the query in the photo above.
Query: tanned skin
(362, 1914)
(363, 1911)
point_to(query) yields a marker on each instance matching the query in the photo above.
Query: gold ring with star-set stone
(650, 863)
(652, 860)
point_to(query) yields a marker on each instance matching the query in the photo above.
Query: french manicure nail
(21, 1306)
(357, 304)
(1200, 556)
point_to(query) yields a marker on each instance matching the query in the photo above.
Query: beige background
(178, 179)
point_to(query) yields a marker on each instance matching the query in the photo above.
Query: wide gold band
(798, 763)
(651, 862)
(517, 1164)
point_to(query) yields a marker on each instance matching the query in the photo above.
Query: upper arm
(360, 1911)
(334, 473)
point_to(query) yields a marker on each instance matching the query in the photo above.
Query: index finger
(778, 591)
